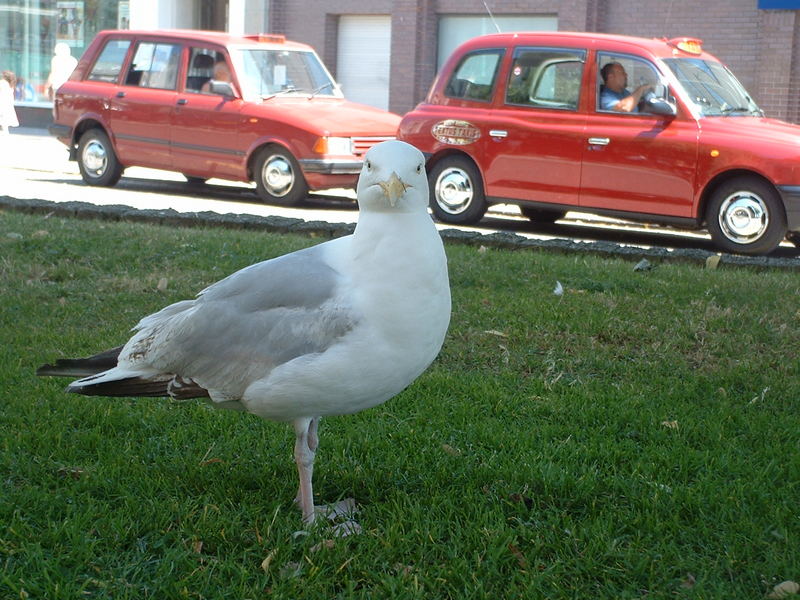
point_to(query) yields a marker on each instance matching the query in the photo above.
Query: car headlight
(334, 145)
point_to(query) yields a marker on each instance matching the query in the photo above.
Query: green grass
(636, 437)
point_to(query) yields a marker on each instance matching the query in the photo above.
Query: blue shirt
(609, 98)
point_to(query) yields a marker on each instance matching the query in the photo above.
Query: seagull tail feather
(81, 367)
(158, 386)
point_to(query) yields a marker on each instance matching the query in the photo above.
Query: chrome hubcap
(453, 190)
(277, 175)
(743, 217)
(95, 158)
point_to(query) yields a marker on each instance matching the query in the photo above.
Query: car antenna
(491, 16)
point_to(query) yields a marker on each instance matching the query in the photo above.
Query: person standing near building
(61, 66)
(8, 115)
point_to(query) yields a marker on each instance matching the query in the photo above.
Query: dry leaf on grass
(452, 451)
(670, 424)
(266, 562)
(323, 545)
(784, 590)
(521, 560)
(71, 472)
(162, 284)
(197, 546)
(495, 332)
(712, 262)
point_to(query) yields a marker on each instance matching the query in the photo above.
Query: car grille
(362, 144)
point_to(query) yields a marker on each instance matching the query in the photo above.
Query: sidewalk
(35, 149)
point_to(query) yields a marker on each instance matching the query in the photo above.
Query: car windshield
(713, 88)
(264, 74)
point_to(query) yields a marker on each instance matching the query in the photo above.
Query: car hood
(328, 116)
(760, 129)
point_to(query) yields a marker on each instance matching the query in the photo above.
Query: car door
(140, 112)
(205, 133)
(638, 162)
(537, 132)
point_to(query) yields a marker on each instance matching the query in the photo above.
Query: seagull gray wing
(237, 330)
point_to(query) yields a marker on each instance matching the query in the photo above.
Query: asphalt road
(34, 165)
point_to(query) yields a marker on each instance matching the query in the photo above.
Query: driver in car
(614, 94)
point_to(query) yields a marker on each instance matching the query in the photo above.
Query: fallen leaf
(211, 461)
(688, 582)
(197, 546)
(521, 560)
(784, 590)
(162, 284)
(495, 332)
(451, 450)
(266, 562)
(40, 233)
(62, 301)
(291, 570)
(323, 545)
(71, 472)
(670, 424)
(403, 570)
(559, 290)
(521, 499)
(712, 262)
(482, 249)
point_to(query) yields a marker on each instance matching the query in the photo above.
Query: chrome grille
(362, 144)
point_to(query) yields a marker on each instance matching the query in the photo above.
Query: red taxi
(209, 104)
(523, 118)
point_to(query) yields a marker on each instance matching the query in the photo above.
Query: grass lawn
(636, 437)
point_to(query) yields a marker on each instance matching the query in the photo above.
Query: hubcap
(453, 190)
(743, 217)
(277, 175)
(95, 158)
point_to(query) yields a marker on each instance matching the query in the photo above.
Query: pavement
(33, 161)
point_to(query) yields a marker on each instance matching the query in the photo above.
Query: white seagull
(328, 330)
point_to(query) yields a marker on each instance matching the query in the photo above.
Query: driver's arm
(628, 104)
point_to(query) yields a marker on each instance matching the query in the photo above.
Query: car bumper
(62, 132)
(331, 167)
(790, 194)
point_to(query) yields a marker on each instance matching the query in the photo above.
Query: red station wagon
(208, 104)
(518, 118)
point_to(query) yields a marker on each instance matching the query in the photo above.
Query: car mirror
(221, 88)
(660, 106)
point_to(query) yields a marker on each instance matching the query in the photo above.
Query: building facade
(387, 53)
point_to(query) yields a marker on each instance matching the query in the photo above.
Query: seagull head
(393, 179)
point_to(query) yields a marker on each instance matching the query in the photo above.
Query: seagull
(328, 330)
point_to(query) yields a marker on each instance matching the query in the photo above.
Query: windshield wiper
(736, 109)
(320, 88)
(288, 90)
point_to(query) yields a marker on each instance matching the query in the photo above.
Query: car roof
(657, 46)
(219, 37)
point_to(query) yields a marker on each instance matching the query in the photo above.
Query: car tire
(192, 180)
(97, 161)
(542, 215)
(278, 177)
(456, 191)
(745, 215)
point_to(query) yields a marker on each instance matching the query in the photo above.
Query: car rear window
(155, 65)
(475, 76)
(109, 63)
(546, 78)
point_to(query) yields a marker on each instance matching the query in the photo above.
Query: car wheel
(96, 159)
(745, 215)
(456, 191)
(278, 177)
(542, 215)
(192, 180)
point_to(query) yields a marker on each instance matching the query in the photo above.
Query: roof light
(272, 38)
(688, 45)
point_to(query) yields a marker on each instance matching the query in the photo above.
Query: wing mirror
(221, 88)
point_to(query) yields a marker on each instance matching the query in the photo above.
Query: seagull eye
(369, 166)
(419, 168)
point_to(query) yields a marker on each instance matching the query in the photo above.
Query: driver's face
(617, 78)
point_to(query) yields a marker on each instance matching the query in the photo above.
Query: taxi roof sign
(273, 38)
(687, 44)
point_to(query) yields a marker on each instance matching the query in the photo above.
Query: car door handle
(598, 141)
(182, 101)
(120, 94)
(498, 133)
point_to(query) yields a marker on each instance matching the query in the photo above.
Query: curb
(507, 240)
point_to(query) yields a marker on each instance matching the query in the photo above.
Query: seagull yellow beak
(393, 188)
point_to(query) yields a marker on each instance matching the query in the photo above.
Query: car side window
(639, 72)
(108, 65)
(155, 65)
(546, 78)
(201, 68)
(475, 76)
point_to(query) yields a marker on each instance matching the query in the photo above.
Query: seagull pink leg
(304, 457)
